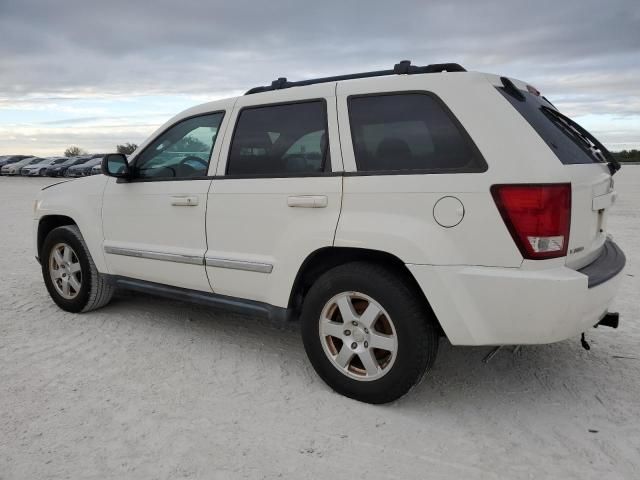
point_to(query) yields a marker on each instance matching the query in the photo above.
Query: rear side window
(569, 145)
(409, 132)
(289, 139)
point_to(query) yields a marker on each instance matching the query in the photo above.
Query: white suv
(382, 209)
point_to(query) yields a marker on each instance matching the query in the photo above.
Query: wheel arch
(324, 259)
(49, 222)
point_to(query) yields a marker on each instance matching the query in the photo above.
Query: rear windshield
(561, 134)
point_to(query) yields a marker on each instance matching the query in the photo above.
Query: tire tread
(415, 312)
(101, 290)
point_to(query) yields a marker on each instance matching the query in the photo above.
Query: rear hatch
(588, 164)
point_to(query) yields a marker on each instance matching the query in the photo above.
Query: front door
(154, 224)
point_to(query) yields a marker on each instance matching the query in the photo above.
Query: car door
(154, 224)
(277, 193)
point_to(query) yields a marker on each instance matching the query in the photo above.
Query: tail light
(537, 216)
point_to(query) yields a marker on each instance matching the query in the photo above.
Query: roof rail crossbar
(402, 68)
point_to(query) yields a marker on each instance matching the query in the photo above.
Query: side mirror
(115, 165)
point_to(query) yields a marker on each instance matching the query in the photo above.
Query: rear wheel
(71, 277)
(367, 332)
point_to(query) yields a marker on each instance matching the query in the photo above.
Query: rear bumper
(608, 264)
(507, 306)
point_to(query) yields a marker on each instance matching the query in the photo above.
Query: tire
(404, 321)
(90, 289)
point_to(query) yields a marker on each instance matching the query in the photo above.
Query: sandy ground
(148, 388)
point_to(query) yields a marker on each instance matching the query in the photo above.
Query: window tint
(408, 132)
(182, 151)
(280, 140)
(567, 143)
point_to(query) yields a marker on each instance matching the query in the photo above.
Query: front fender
(80, 200)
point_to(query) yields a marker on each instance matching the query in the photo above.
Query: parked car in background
(82, 169)
(14, 168)
(39, 168)
(59, 169)
(91, 165)
(96, 170)
(8, 159)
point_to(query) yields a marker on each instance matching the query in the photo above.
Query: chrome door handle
(184, 201)
(307, 201)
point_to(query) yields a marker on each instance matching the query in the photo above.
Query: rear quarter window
(409, 132)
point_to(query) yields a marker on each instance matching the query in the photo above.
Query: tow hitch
(611, 319)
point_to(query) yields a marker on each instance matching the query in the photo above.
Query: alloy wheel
(358, 336)
(65, 271)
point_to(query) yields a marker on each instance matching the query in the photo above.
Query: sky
(96, 74)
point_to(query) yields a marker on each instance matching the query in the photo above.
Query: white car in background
(40, 168)
(383, 210)
(14, 168)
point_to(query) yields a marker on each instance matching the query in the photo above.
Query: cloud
(584, 54)
(53, 141)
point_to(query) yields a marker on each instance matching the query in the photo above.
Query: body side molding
(192, 259)
(150, 255)
(238, 264)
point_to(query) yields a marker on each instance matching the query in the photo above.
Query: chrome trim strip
(167, 257)
(238, 265)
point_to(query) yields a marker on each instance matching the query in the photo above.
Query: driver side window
(182, 151)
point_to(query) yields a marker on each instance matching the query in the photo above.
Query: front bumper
(511, 306)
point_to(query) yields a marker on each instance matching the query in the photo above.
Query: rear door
(277, 194)
(592, 192)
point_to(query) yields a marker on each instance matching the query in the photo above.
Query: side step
(240, 306)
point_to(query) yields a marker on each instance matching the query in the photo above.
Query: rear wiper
(589, 141)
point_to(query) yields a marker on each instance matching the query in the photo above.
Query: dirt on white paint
(151, 388)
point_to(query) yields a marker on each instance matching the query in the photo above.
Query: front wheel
(367, 332)
(71, 277)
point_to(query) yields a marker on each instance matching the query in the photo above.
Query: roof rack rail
(402, 68)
